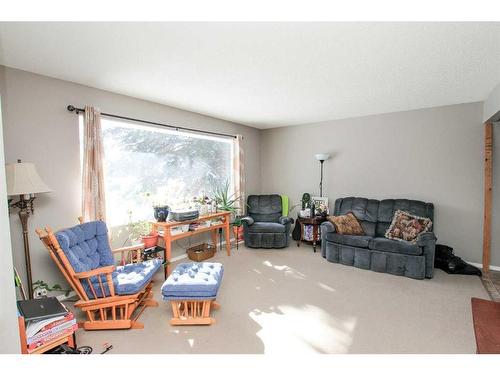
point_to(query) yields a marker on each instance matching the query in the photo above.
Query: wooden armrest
(134, 258)
(97, 271)
(129, 248)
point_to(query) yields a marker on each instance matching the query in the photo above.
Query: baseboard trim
(480, 265)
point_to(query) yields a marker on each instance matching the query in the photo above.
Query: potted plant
(238, 229)
(41, 289)
(226, 201)
(140, 232)
(203, 204)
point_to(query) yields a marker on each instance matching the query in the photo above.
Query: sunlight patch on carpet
(326, 287)
(306, 329)
(287, 270)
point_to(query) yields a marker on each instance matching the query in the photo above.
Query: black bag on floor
(445, 260)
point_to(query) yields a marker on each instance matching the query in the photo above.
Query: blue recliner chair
(266, 226)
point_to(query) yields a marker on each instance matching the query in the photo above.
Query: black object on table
(41, 308)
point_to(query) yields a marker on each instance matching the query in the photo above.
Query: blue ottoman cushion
(194, 281)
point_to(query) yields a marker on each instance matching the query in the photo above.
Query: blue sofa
(373, 251)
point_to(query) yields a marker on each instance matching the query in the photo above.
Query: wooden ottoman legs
(192, 312)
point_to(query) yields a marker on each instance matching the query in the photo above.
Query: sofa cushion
(263, 227)
(196, 281)
(388, 208)
(350, 240)
(407, 227)
(393, 246)
(265, 207)
(365, 210)
(346, 224)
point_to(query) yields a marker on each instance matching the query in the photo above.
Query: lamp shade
(322, 157)
(22, 178)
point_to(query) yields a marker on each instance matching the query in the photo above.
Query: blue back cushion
(375, 216)
(265, 208)
(86, 246)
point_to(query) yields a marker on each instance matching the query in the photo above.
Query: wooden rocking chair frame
(111, 312)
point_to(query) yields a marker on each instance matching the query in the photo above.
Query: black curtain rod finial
(70, 108)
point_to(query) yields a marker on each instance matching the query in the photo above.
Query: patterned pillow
(407, 227)
(347, 224)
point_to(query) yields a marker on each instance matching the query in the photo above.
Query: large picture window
(146, 165)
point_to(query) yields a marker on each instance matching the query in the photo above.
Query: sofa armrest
(247, 220)
(427, 241)
(284, 220)
(426, 238)
(326, 227)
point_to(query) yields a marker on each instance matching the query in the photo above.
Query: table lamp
(321, 158)
(23, 180)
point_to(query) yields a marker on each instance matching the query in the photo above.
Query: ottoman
(191, 289)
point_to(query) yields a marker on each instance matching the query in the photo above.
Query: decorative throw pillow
(407, 227)
(347, 224)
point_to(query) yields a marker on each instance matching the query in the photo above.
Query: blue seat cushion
(350, 240)
(194, 281)
(128, 279)
(265, 227)
(132, 278)
(393, 246)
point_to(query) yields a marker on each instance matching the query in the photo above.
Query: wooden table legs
(168, 251)
(228, 238)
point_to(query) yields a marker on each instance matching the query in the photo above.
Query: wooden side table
(315, 222)
(68, 338)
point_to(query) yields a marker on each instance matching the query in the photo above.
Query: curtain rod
(72, 108)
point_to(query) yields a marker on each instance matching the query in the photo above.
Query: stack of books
(46, 320)
(39, 332)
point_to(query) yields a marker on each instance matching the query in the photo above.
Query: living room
(308, 187)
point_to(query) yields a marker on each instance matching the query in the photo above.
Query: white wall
(39, 129)
(8, 310)
(434, 155)
(491, 109)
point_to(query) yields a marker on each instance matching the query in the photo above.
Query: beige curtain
(239, 173)
(93, 199)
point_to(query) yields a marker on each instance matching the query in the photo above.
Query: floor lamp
(24, 181)
(321, 158)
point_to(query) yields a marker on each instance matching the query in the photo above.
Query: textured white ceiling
(267, 74)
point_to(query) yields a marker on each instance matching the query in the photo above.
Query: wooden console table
(164, 230)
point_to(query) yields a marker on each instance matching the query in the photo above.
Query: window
(144, 165)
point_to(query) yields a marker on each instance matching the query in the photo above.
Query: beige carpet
(294, 301)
